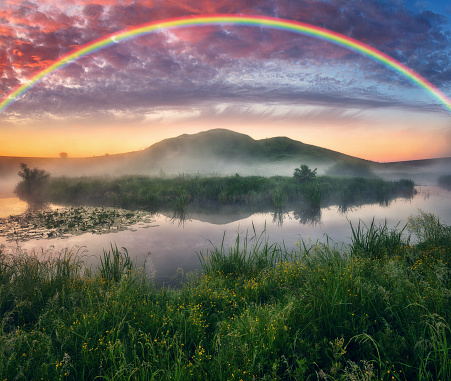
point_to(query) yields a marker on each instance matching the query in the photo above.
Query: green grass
(177, 193)
(257, 312)
(376, 242)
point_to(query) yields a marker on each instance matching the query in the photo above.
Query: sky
(256, 80)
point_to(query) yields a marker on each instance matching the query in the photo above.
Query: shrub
(304, 174)
(32, 186)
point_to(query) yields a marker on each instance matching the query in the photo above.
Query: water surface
(168, 244)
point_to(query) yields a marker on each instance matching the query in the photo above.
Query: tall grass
(427, 228)
(248, 256)
(377, 241)
(278, 198)
(258, 311)
(177, 193)
(114, 264)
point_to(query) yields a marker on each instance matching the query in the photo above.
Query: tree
(304, 174)
(63, 155)
(33, 183)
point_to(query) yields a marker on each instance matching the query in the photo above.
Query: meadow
(376, 309)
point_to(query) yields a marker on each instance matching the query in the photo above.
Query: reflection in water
(36, 207)
(180, 216)
(46, 221)
(278, 216)
(343, 208)
(174, 239)
(348, 202)
(307, 215)
(11, 206)
(425, 193)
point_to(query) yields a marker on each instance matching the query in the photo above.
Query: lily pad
(66, 222)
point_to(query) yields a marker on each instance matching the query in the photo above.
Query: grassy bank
(154, 192)
(376, 309)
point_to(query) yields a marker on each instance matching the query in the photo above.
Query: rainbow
(259, 21)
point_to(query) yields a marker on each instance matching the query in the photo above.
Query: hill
(217, 151)
(213, 151)
(227, 152)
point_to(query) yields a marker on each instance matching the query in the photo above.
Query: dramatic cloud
(195, 67)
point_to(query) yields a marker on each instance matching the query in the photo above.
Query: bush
(304, 174)
(31, 188)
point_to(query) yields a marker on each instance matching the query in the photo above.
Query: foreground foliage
(378, 308)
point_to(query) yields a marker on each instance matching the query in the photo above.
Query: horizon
(258, 81)
(196, 133)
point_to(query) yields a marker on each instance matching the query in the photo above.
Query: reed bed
(177, 193)
(364, 311)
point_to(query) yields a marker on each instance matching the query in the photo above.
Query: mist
(223, 153)
(422, 172)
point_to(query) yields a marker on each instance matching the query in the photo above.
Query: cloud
(204, 63)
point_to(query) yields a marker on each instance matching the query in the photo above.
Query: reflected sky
(174, 245)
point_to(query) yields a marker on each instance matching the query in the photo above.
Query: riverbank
(376, 309)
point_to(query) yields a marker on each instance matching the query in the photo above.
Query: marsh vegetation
(155, 193)
(69, 221)
(104, 205)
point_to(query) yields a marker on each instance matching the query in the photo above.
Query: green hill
(228, 152)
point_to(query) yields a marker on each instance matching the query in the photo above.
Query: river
(168, 244)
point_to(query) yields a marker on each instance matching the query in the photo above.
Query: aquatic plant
(69, 221)
(278, 198)
(181, 202)
(312, 194)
